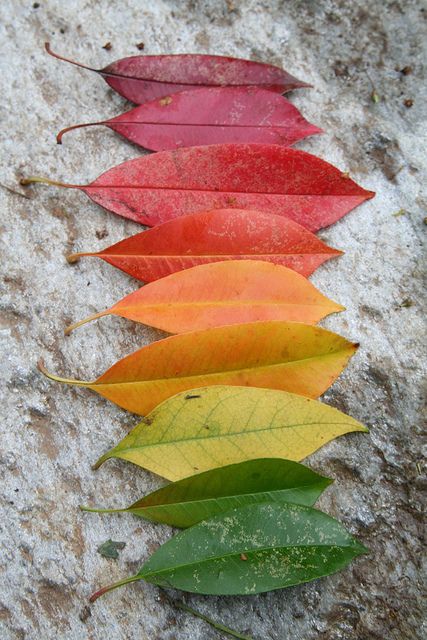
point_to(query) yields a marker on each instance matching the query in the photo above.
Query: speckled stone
(51, 434)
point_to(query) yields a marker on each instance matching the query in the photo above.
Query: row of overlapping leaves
(229, 400)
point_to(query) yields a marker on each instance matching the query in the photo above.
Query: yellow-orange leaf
(291, 356)
(222, 293)
(210, 427)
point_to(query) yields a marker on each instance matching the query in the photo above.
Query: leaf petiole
(110, 587)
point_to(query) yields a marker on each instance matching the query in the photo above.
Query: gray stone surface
(51, 434)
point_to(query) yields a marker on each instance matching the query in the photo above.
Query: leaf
(143, 78)
(110, 549)
(212, 236)
(156, 188)
(282, 355)
(257, 548)
(220, 425)
(199, 497)
(222, 293)
(210, 116)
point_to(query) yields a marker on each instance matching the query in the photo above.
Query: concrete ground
(51, 434)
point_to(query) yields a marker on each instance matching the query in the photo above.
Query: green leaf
(257, 548)
(110, 549)
(210, 427)
(199, 497)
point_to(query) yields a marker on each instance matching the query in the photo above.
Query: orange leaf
(290, 356)
(213, 236)
(223, 293)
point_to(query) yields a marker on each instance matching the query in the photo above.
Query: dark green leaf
(256, 548)
(199, 497)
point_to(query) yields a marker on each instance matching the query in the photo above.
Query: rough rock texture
(51, 434)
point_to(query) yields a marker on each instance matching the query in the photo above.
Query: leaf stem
(94, 510)
(94, 316)
(51, 376)
(76, 126)
(75, 257)
(54, 183)
(110, 587)
(56, 55)
(100, 461)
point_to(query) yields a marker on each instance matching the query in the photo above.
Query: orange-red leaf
(291, 356)
(212, 236)
(223, 293)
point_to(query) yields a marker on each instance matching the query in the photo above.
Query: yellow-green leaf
(214, 426)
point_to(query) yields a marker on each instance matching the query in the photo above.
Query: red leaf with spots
(156, 188)
(143, 78)
(210, 116)
(214, 236)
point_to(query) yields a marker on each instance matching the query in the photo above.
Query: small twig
(216, 625)
(396, 173)
(16, 193)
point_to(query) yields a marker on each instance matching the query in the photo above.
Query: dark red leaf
(156, 188)
(141, 78)
(213, 236)
(210, 116)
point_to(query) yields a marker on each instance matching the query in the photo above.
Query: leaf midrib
(237, 553)
(221, 436)
(216, 373)
(225, 303)
(224, 497)
(114, 123)
(219, 191)
(205, 255)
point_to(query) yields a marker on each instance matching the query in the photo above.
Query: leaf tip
(361, 549)
(312, 130)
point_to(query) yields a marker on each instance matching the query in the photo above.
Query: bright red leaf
(156, 188)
